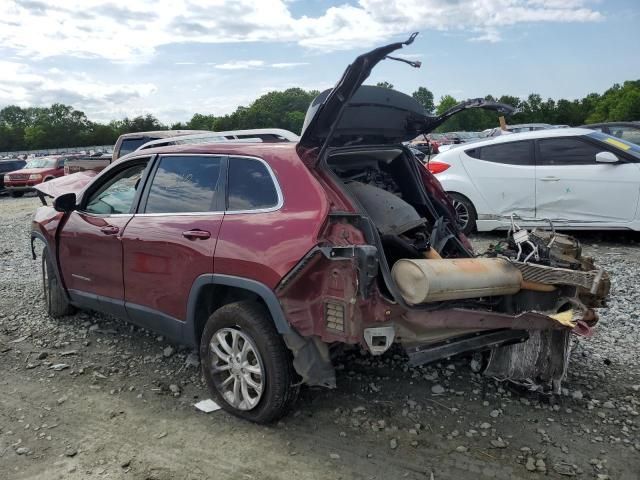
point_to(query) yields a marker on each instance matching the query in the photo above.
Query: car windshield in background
(41, 163)
(618, 143)
(131, 144)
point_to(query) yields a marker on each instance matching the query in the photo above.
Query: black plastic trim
(260, 289)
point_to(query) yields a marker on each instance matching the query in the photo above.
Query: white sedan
(577, 178)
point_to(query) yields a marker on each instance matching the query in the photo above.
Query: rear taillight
(437, 167)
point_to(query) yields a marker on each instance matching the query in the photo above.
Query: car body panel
(92, 259)
(74, 182)
(160, 265)
(264, 246)
(579, 193)
(505, 189)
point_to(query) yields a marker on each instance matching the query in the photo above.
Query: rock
(576, 394)
(494, 413)
(393, 443)
(192, 360)
(485, 425)
(61, 400)
(437, 389)
(531, 464)
(42, 355)
(22, 451)
(608, 404)
(175, 389)
(59, 366)
(540, 465)
(168, 351)
(461, 449)
(70, 452)
(334, 456)
(498, 443)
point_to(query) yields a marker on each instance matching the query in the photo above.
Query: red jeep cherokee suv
(37, 170)
(268, 257)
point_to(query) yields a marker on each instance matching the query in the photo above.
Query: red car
(36, 171)
(270, 257)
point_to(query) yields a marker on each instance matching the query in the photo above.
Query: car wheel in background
(247, 367)
(54, 296)
(465, 212)
(17, 194)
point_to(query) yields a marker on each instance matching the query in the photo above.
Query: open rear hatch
(351, 113)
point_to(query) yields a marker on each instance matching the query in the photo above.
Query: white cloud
(21, 85)
(240, 65)
(100, 28)
(288, 64)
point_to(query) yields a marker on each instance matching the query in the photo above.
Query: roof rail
(238, 136)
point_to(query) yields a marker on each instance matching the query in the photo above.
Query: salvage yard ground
(91, 397)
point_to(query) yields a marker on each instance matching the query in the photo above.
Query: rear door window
(251, 186)
(567, 151)
(511, 153)
(185, 184)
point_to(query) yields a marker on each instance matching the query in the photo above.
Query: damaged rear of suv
(393, 266)
(271, 257)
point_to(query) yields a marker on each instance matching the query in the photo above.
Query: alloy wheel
(237, 368)
(462, 214)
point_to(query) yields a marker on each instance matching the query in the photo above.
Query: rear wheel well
(212, 297)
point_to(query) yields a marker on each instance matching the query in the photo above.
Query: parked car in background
(7, 166)
(130, 142)
(80, 163)
(268, 256)
(629, 131)
(577, 178)
(35, 171)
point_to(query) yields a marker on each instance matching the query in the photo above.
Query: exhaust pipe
(423, 281)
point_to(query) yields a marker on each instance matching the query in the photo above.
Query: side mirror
(65, 203)
(606, 157)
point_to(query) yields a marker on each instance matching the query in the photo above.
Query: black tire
(279, 389)
(17, 194)
(465, 211)
(55, 298)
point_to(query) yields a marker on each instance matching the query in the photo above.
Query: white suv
(578, 178)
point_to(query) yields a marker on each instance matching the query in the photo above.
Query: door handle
(549, 179)
(196, 234)
(109, 230)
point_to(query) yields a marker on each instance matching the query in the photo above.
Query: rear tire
(54, 296)
(466, 215)
(17, 194)
(246, 365)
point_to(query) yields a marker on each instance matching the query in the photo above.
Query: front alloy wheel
(237, 368)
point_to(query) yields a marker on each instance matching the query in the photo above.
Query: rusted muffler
(423, 281)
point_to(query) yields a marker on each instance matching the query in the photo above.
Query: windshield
(617, 143)
(41, 163)
(131, 144)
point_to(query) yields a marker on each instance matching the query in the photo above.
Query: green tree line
(63, 126)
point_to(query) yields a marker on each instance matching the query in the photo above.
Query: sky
(173, 58)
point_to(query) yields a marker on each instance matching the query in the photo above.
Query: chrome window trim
(279, 204)
(104, 215)
(274, 179)
(178, 214)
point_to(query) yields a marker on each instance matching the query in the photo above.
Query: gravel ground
(92, 397)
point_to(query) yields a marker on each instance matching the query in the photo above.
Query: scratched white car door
(504, 174)
(571, 185)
